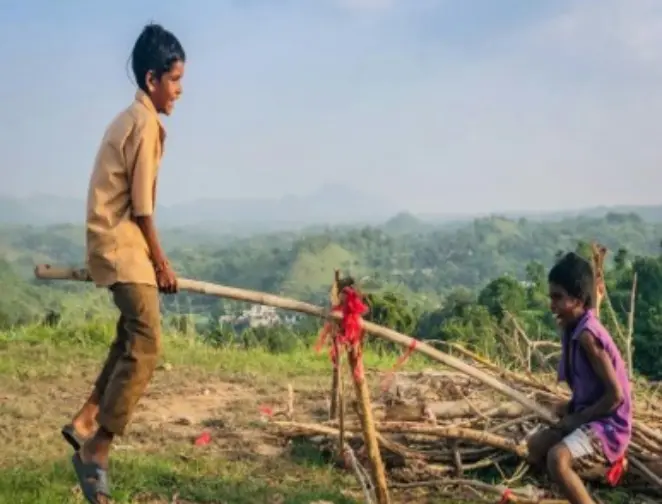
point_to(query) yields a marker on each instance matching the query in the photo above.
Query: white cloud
(366, 5)
(630, 31)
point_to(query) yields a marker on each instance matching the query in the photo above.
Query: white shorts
(579, 443)
(585, 448)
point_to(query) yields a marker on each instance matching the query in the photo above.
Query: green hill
(312, 272)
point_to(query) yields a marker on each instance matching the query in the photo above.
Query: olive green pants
(132, 357)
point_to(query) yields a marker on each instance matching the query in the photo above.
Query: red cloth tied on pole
(348, 331)
(351, 326)
(329, 329)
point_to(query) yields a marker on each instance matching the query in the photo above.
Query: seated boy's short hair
(156, 50)
(575, 275)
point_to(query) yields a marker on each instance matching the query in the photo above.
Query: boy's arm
(613, 394)
(143, 189)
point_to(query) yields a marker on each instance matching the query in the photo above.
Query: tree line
(458, 284)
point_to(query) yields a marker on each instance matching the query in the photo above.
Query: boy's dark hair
(156, 50)
(575, 275)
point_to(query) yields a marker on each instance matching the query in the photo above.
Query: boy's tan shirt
(123, 186)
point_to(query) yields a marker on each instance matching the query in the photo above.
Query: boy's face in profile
(167, 89)
(565, 308)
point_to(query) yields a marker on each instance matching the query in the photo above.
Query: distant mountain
(330, 204)
(404, 223)
(41, 210)
(649, 213)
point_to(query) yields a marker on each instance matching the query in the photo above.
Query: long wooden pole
(47, 272)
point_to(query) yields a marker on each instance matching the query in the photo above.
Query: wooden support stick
(368, 426)
(340, 391)
(355, 359)
(335, 389)
(598, 253)
(335, 379)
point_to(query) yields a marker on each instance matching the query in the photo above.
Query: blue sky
(438, 105)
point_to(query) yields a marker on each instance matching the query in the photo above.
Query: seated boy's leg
(578, 453)
(540, 443)
(84, 422)
(140, 308)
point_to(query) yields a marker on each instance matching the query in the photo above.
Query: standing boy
(596, 424)
(125, 256)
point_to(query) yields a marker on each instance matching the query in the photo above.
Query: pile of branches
(447, 432)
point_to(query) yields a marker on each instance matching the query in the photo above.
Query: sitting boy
(594, 432)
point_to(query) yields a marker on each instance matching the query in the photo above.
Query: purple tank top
(614, 430)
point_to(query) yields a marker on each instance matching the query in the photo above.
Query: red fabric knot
(353, 308)
(506, 496)
(615, 471)
(347, 332)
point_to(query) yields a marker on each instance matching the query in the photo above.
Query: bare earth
(176, 409)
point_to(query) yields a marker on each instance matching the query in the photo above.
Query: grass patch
(45, 373)
(136, 478)
(43, 352)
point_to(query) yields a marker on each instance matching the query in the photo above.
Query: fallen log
(479, 437)
(451, 410)
(448, 410)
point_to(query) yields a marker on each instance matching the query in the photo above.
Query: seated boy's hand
(562, 408)
(166, 279)
(569, 423)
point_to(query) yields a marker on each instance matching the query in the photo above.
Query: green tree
(504, 294)
(621, 259)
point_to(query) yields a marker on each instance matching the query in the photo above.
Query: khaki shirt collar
(145, 100)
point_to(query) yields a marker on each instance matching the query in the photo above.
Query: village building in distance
(259, 316)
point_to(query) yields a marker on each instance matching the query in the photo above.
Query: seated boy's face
(564, 307)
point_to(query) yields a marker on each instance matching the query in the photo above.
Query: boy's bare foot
(85, 424)
(85, 421)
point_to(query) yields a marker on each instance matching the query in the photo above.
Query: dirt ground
(176, 409)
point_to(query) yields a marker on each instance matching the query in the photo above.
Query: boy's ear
(150, 81)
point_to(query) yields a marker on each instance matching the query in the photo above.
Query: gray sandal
(93, 479)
